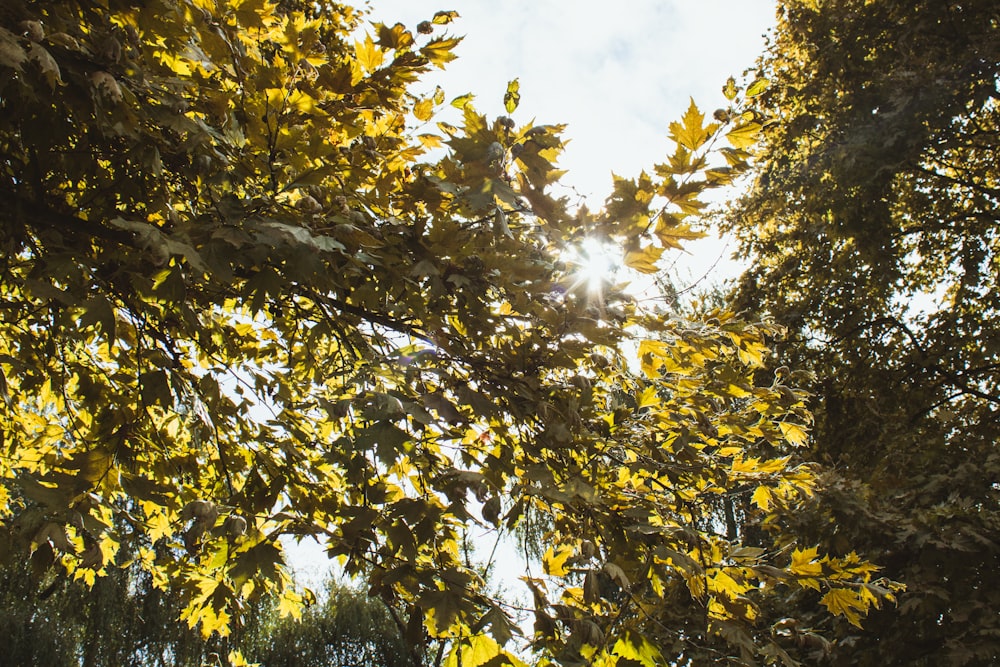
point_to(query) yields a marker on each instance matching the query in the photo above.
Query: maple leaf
(690, 131)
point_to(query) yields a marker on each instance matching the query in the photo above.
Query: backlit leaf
(644, 260)
(369, 54)
(555, 559)
(512, 97)
(757, 87)
(745, 135)
(690, 131)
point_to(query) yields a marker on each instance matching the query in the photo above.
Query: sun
(594, 265)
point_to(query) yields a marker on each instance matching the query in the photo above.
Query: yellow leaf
(457, 325)
(844, 602)
(369, 55)
(729, 90)
(744, 136)
(462, 101)
(236, 659)
(690, 133)
(424, 109)
(158, 527)
(430, 140)
(554, 561)
(752, 354)
(724, 583)
(758, 87)
(440, 51)
(648, 398)
(794, 434)
(763, 498)
(657, 583)
(806, 562)
(444, 17)
(180, 67)
(644, 260)
(209, 619)
(633, 646)
(303, 102)
(755, 466)
(290, 604)
(512, 97)
(670, 235)
(651, 354)
(737, 391)
(479, 650)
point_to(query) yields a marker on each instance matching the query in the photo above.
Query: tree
(347, 628)
(239, 304)
(871, 228)
(120, 620)
(123, 620)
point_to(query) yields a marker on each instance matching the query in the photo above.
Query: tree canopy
(122, 620)
(871, 227)
(251, 289)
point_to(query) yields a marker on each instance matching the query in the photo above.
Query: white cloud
(617, 74)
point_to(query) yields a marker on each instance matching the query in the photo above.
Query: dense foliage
(122, 620)
(872, 230)
(346, 628)
(242, 300)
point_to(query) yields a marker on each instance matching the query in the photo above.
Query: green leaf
(387, 439)
(99, 311)
(155, 388)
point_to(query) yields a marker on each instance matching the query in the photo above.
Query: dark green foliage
(872, 228)
(347, 628)
(121, 621)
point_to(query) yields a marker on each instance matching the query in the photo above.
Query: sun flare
(594, 263)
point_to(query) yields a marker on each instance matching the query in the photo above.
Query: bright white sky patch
(616, 74)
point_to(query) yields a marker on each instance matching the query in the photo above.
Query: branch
(39, 215)
(369, 316)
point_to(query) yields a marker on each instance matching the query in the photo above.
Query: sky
(617, 73)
